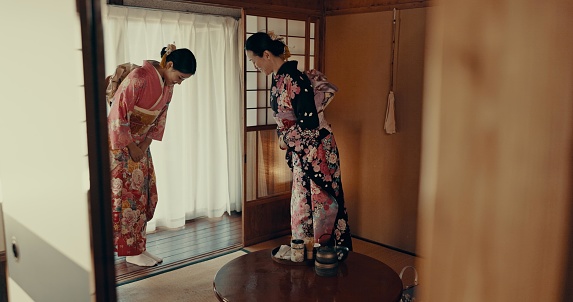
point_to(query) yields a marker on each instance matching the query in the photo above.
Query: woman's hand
(282, 143)
(144, 144)
(135, 152)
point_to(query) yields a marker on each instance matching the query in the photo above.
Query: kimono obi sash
(323, 94)
(289, 115)
(286, 115)
(323, 89)
(141, 121)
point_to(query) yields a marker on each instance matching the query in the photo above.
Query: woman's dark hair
(183, 60)
(259, 42)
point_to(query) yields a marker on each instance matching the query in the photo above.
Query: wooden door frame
(99, 198)
(96, 117)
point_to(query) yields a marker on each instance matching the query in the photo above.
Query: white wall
(43, 153)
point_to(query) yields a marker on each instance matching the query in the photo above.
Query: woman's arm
(303, 104)
(120, 112)
(145, 144)
(282, 143)
(298, 97)
(135, 151)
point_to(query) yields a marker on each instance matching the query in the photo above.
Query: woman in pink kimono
(317, 203)
(137, 116)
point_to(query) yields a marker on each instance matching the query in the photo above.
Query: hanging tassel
(390, 123)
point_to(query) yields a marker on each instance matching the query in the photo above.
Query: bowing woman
(317, 202)
(137, 116)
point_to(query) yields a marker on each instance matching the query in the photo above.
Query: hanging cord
(390, 122)
(393, 48)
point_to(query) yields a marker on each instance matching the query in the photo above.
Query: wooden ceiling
(306, 7)
(340, 7)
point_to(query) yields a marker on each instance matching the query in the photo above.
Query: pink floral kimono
(138, 111)
(317, 203)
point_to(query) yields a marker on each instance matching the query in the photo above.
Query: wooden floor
(206, 238)
(198, 240)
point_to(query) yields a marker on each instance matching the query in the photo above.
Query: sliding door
(47, 178)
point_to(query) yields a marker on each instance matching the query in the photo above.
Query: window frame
(311, 23)
(310, 37)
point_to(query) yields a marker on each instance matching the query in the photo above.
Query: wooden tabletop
(256, 277)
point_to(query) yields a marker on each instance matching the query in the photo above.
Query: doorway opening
(200, 239)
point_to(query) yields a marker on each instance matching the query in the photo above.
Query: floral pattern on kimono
(317, 202)
(138, 111)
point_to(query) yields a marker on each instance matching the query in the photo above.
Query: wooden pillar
(496, 180)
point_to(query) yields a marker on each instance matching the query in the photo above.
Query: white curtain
(199, 162)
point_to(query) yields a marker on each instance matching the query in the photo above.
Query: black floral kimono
(317, 204)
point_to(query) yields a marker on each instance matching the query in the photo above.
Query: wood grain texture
(3, 277)
(198, 239)
(302, 7)
(265, 219)
(306, 8)
(358, 278)
(496, 170)
(380, 172)
(195, 282)
(342, 7)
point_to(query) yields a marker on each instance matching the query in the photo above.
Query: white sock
(150, 255)
(141, 260)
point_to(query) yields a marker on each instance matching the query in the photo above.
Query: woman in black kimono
(317, 202)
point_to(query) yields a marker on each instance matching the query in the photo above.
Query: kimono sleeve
(299, 95)
(303, 104)
(119, 116)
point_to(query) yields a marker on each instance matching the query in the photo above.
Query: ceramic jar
(297, 250)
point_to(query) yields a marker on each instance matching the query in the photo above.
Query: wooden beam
(314, 8)
(257, 7)
(344, 7)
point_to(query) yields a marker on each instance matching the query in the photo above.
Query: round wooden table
(257, 277)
